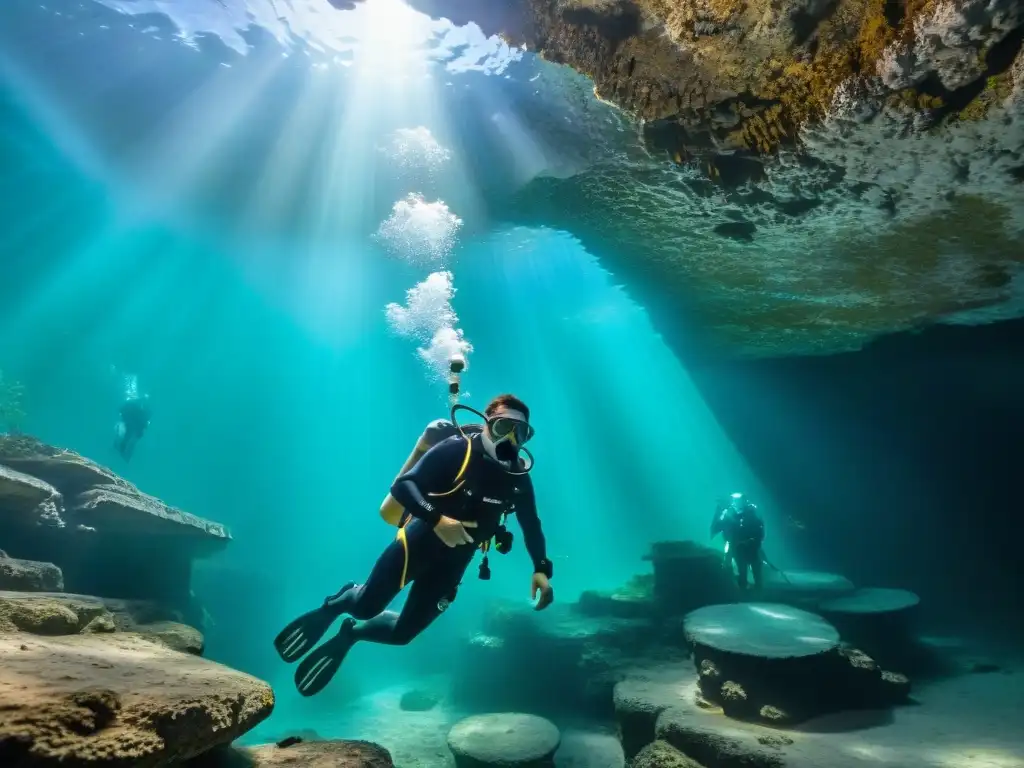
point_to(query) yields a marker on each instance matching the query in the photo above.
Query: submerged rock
(117, 699)
(504, 740)
(299, 754)
(27, 500)
(661, 754)
(129, 512)
(29, 576)
(60, 614)
(418, 701)
(805, 588)
(688, 575)
(106, 536)
(780, 665)
(761, 630)
(881, 621)
(634, 600)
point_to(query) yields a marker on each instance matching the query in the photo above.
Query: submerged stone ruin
(118, 679)
(70, 524)
(692, 680)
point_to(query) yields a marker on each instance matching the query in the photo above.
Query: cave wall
(899, 464)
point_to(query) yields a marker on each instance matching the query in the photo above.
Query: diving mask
(504, 439)
(512, 428)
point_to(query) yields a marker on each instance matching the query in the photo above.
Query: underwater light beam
(186, 148)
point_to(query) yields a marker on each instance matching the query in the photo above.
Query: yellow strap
(462, 471)
(405, 547)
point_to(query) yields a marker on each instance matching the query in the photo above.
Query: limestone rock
(27, 500)
(29, 576)
(642, 696)
(661, 754)
(53, 614)
(300, 754)
(129, 511)
(179, 637)
(98, 499)
(117, 700)
(504, 740)
(65, 470)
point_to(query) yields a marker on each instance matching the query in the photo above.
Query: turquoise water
(232, 267)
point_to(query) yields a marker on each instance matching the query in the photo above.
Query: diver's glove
(453, 532)
(541, 585)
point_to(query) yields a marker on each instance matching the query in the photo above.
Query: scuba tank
(390, 510)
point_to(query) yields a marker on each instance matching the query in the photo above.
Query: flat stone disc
(810, 582)
(504, 739)
(765, 630)
(872, 601)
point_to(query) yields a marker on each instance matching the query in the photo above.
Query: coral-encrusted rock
(661, 754)
(299, 754)
(779, 665)
(504, 740)
(117, 700)
(29, 576)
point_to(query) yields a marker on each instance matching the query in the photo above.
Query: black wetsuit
(418, 556)
(134, 420)
(744, 531)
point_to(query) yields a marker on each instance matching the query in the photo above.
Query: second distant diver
(447, 503)
(743, 530)
(132, 425)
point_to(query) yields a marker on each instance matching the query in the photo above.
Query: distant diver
(129, 430)
(743, 530)
(456, 489)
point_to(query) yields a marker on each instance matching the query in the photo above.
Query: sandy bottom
(418, 739)
(974, 721)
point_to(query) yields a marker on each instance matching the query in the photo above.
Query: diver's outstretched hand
(453, 532)
(543, 586)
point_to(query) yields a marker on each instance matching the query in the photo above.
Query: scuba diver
(450, 499)
(132, 426)
(743, 531)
